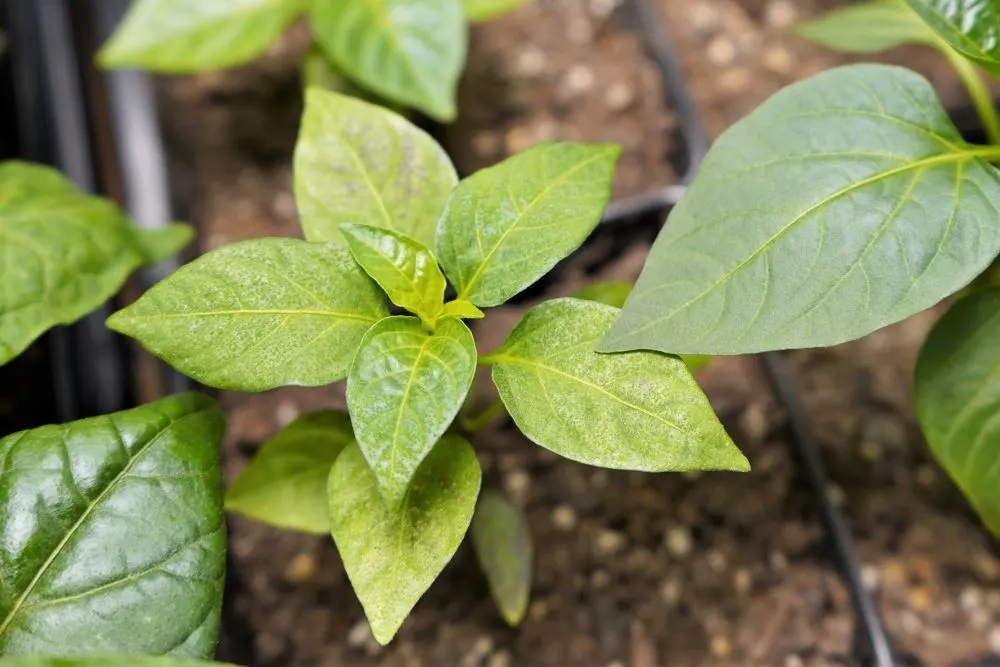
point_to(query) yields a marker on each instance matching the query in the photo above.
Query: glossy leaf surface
(114, 540)
(957, 389)
(635, 411)
(183, 36)
(356, 162)
(502, 540)
(392, 556)
(409, 51)
(403, 267)
(868, 27)
(285, 483)
(62, 252)
(506, 226)
(405, 388)
(845, 203)
(462, 309)
(259, 314)
(484, 10)
(971, 27)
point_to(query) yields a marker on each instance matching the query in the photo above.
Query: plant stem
(978, 91)
(478, 422)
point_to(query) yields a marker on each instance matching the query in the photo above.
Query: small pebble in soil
(919, 598)
(716, 560)
(360, 636)
(564, 518)
(285, 413)
(870, 576)
(781, 13)
(870, 451)
(620, 96)
(927, 475)
(778, 561)
(578, 30)
(284, 205)
(499, 659)
(616, 663)
(836, 495)
(735, 80)
(609, 542)
(720, 647)
(485, 144)
(301, 568)
(778, 59)
(993, 639)
(538, 610)
(986, 566)
(517, 484)
(910, 622)
(753, 421)
(529, 63)
(721, 52)
(970, 599)
(678, 541)
(478, 653)
(893, 573)
(742, 581)
(703, 17)
(599, 580)
(578, 80)
(603, 8)
(670, 591)
(794, 661)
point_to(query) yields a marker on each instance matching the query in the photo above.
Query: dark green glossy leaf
(114, 540)
(181, 36)
(971, 27)
(506, 226)
(392, 556)
(957, 389)
(845, 203)
(62, 253)
(403, 267)
(636, 411)
(502, 540)
(409, 51)
(109, 661)
(462, 309)
(484, 10)
(868, 27)
(259, 314)
(356, 162)
(285, 483)
(405, 388)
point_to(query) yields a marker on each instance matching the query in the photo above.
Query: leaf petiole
(477, 423)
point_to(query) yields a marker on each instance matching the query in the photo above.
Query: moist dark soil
(632, 570)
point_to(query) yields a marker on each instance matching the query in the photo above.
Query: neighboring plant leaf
(403, 267)
(258, 314)
(62, 253)
(484, 10)
(285, 483)
(868, 27)
(502, 540)
(785, 241)
(957, 389)
(407, 51)
(636, 411)
(356, 162)
(108, 661)
(114, 539)
(161, 243)
(506, 226)
(185, 36)
(392, 556)
(404, 390)
(971, 27)
(462, 309)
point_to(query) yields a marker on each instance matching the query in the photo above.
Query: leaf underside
(502, 540)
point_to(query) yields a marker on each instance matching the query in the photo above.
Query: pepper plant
(410, 52)
(845, 203)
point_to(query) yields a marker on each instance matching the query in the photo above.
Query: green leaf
(868, 27)
(409, 51)
(62, 253)
(957, 391)
(845, 203)
(114, 540)
(108, 661)
(502, 540)
(635, 411)
(484, 10)
(403, 267)
(462, 309)
(258, 314)
(162, 243)
(357, 162)
(506, 226)
(185, 36)
(392, 556)
(285, 483)
(971, 27)
(405, 388)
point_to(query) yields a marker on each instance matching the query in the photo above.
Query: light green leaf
(409, 51)
(285, 483)
(484, 10)
(635, 411)
(108, 661)
(506, 226)
(162, 243)
(971, 27)
(957, 390)
(845, 203)
(405, 388)
(392, 556)
(356, 162)
(462, 309)
(185, 36)
(502, 540)
(258, 314)
(114, 539)
(403, 267)
(868, 27)
(62, 253)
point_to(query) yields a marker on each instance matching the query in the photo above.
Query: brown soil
(633, 570)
